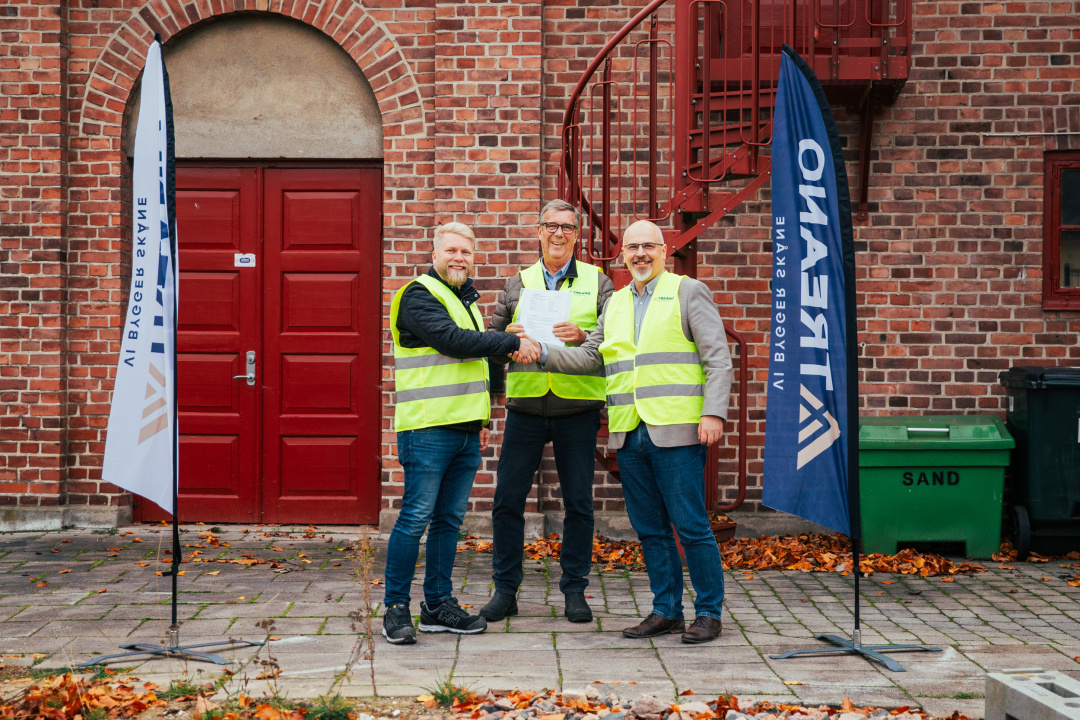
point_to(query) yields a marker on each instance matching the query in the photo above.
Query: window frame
(1056, 297)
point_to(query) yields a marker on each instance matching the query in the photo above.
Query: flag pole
(847, 242)
(172, 646)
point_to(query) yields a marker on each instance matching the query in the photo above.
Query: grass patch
(181, 687)
(329, 707)
(446, 693)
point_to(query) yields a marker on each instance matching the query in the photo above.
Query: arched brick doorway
(279, 276)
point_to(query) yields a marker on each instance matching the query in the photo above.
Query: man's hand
(528, 352)
(514, 328)
(569, 333)
(709, 430)
(485, 438)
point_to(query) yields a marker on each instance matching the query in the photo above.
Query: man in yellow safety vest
(441, 414)
(543, 407)
(664, 352)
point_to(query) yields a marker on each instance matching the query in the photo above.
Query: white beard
(641, 274)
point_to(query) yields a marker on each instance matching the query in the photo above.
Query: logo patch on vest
(665, 297)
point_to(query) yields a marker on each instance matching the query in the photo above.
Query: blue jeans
(574, 440)
(663, 487)
(440, 465)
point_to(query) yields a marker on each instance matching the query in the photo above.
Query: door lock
(250, 367)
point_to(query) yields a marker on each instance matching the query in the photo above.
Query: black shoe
(397, 625)
(501, 605)
(577, 610)
(449, 617)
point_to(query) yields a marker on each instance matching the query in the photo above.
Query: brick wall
(472, 95)
(33, 227)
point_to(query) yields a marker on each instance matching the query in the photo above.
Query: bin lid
(1038, 376)
(934, 432)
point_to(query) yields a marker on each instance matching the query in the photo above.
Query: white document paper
(539, 310)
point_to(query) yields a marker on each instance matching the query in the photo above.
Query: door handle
(250, 376)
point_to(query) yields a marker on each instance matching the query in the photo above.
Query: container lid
(935, 432)
(1037, 376)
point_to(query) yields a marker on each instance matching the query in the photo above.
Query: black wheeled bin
(1043, 493)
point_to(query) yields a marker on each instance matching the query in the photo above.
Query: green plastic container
(932, 479)
(1044, 485)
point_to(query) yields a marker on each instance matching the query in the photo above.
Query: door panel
(321, 412)
(216, 216)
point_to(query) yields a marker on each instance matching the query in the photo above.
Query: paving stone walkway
(1005, 618)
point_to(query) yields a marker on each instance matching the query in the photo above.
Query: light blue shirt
(641, 303)
(552, 281)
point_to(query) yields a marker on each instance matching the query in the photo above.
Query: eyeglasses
(647, 247)
(554, 228)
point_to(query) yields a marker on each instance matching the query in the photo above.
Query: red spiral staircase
(672, 122)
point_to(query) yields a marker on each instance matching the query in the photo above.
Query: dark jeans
(440, 465)
(663, 487)
(574, 440)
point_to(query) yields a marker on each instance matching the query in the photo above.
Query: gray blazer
(701, 324)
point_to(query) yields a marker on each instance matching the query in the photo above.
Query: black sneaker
(449, 617)
(397, 625)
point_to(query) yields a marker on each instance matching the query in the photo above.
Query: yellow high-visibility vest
(434, 389)
(529, 380)
(659, 379)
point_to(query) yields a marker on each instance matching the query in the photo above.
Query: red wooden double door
(280, 273)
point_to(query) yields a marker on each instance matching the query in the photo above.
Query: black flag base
(873, 652)
(174, 650)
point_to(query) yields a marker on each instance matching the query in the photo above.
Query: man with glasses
(544, 407)
(664, 351)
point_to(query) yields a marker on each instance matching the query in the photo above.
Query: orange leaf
(266, 711)
(63, 572)
(98, 592)
(42, 584)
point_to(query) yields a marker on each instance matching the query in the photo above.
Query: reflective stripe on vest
(529, 380)
(431, 388)
(659, 379)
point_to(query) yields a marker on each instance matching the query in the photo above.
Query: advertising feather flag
(140, 447)
(811, 420)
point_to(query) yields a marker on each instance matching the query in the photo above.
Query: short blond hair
(454, 228)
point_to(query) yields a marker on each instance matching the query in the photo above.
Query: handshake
(529, 350)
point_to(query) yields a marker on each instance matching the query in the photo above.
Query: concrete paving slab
(579, 667)
(860, 696)
(549, 624)
(1047, 658)
(944, 707)
(505, 665)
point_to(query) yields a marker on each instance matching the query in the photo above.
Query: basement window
(1061, 232)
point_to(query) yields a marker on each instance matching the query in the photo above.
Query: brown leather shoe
(702, 630)
(654, 625)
